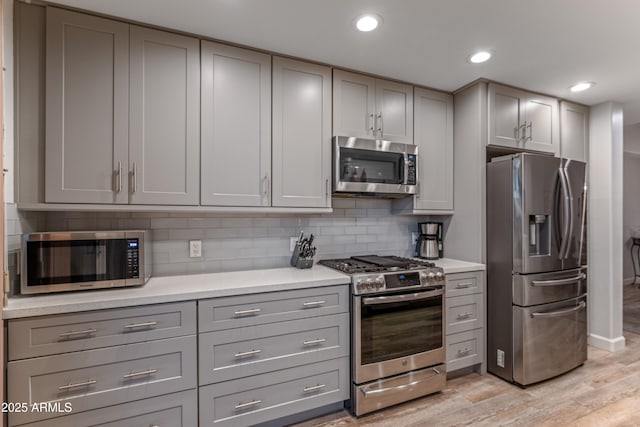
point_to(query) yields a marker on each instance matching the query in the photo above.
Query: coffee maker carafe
(429, 244)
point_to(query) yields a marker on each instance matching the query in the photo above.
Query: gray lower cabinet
(274, 395)
(465, 320)
(46, 335)
(170, 410)
(272, 355)
(108, 376)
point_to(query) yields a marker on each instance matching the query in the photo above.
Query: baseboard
(609, 344)
(628, 280)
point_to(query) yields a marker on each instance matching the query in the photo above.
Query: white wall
(631, 195)
(604, 230)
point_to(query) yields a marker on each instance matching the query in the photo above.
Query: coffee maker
(429, 244)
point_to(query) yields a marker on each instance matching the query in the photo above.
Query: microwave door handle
(405, 168)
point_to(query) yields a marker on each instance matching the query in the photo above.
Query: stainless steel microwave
(369, 167)
(69, 261)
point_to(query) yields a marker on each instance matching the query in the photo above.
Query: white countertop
(456, 266)
(192, 287)
(175, 288)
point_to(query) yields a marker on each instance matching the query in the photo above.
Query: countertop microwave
(374, 167)
(70, 261)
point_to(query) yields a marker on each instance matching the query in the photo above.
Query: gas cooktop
(379, 274)
(375, 264)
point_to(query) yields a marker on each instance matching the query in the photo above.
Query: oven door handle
(401, 298)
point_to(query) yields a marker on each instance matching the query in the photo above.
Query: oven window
(73, 261)
(357, 165)
(400, 329)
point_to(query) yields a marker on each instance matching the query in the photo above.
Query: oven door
(397, 333)
(374, 166)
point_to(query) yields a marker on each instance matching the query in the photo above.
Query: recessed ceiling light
(368, 22)
(579, 87)
(480, 57)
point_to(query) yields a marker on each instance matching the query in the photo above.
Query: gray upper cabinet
(235, 126)
(87, 104)
(122, 113)
(523, 120)
(366, 107)
(433, 134)
(164, 118)
(574, 131)
(301, 134)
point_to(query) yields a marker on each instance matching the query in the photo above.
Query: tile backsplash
(240, 241)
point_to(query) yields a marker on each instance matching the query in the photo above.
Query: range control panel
(413, 279)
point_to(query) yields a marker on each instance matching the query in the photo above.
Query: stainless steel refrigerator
(536, 267)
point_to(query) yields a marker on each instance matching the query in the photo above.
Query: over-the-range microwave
(374, 167)
(69, 261)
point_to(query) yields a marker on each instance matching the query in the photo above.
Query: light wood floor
(605, 391)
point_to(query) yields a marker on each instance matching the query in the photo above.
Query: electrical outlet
(195, 248)
(292, 243)
(414, 237)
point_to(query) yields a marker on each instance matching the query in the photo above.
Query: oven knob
(369, 284)
(431, 277)
(379, 283)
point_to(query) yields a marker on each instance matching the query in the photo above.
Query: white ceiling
(541, 45)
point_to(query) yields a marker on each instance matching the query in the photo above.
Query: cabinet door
(354, 104)
(301, 134)
(164, 120)
(541, 124)
(394, 111)
(574, 131)
(236, 126)
(505, 115)
(434, 138)
(87, 75)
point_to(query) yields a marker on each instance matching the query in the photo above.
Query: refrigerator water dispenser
(539, 235)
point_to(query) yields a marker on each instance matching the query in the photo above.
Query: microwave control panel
(411, 172)
(133, 259)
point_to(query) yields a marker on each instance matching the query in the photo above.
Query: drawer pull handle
(464, 351)
(464, 315)
(313, 303)
(247, 353)
(250, 311)
(140, 325)
(82, 384)
(74, 333)
(314, 342)
(314, 388)
(247, 404)
(464, 285)
(139, 374)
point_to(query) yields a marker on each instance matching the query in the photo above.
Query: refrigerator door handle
(560, 313)
(566, 217)
(558, 282)
(571, 216)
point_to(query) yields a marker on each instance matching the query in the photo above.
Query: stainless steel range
(397, 329)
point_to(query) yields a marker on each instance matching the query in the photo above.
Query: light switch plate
(292, 243)
(414, 237)
(195, 248)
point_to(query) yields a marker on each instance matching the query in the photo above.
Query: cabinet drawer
(465, 283)
(171, 410)
(237, 353)
(40, 336)
(234, 312)
(97, 378)
(274, 395)
(465, 349)
(464, 313)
